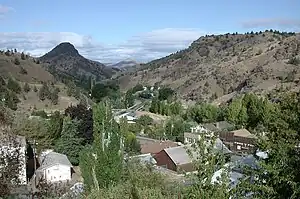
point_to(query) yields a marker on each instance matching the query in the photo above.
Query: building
(55, 167)
(178, 158)
(208, 129)
(144, 158)
(130, 116)
(153, 146)
(239, 140)
(13, 150)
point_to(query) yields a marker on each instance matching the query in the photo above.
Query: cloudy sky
(110, 31)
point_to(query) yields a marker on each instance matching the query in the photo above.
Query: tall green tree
(70, 143)
(278, 174)
(207, 161)
(101, 164)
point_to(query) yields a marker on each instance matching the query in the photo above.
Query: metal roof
(53, 158)
(179, 155)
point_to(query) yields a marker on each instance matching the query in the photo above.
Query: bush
(294, 61)
(26, 87)
(23, 71)
(40, 113)
(17, 61)
(13, 86)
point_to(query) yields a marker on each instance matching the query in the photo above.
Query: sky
(114, 30)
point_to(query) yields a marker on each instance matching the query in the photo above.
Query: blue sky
(143, 30)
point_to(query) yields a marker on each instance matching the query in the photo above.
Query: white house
(55, 167)
(13, 146)
(195, 134)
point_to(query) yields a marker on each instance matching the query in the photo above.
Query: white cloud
(143, 47)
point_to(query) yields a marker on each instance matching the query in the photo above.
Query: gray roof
(218, 126)
(224, 125)
(145, 158)
(210, 126)
(53, 158)
(180, 156)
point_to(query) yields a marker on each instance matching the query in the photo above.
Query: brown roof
(156, 147)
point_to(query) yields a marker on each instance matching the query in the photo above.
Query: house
(13, 148)
(239, 140)
(178, 158)
(55, 167)
(154, 146)
(209, 129)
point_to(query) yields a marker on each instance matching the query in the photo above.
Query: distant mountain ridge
(65, 60)
(123, 64)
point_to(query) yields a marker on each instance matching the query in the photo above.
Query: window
(238, 147)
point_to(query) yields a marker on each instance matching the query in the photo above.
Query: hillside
(217, 65)
(65, 62)
(22, 78)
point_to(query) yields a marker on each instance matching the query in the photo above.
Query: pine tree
(70, 143)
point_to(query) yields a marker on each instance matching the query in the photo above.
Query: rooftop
(179, 155)
(53, 158)
(243, 133)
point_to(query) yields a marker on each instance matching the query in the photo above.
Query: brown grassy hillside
(24, 69)
(217, 65)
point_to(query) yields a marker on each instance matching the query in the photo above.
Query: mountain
(65, 61)
(218, 65)
(124, 64)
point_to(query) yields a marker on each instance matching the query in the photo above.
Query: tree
(14, 86)
(101, 164)
(2, 81)
(54, 97)
(145, 120)
(69, 142)
(35, 89)
(85, 116)
(131, 145)
(129, 99)
(11, 161)
(175, 128)
(34, 130)
(155, 105)
(203, 112)
(207, 162)
(23, 57)
(165, 93)
(54, 127)
(26, 87)
(44, 92)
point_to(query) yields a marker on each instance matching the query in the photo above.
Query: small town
(149, 100)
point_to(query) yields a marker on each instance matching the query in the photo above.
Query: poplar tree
(101, 163)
